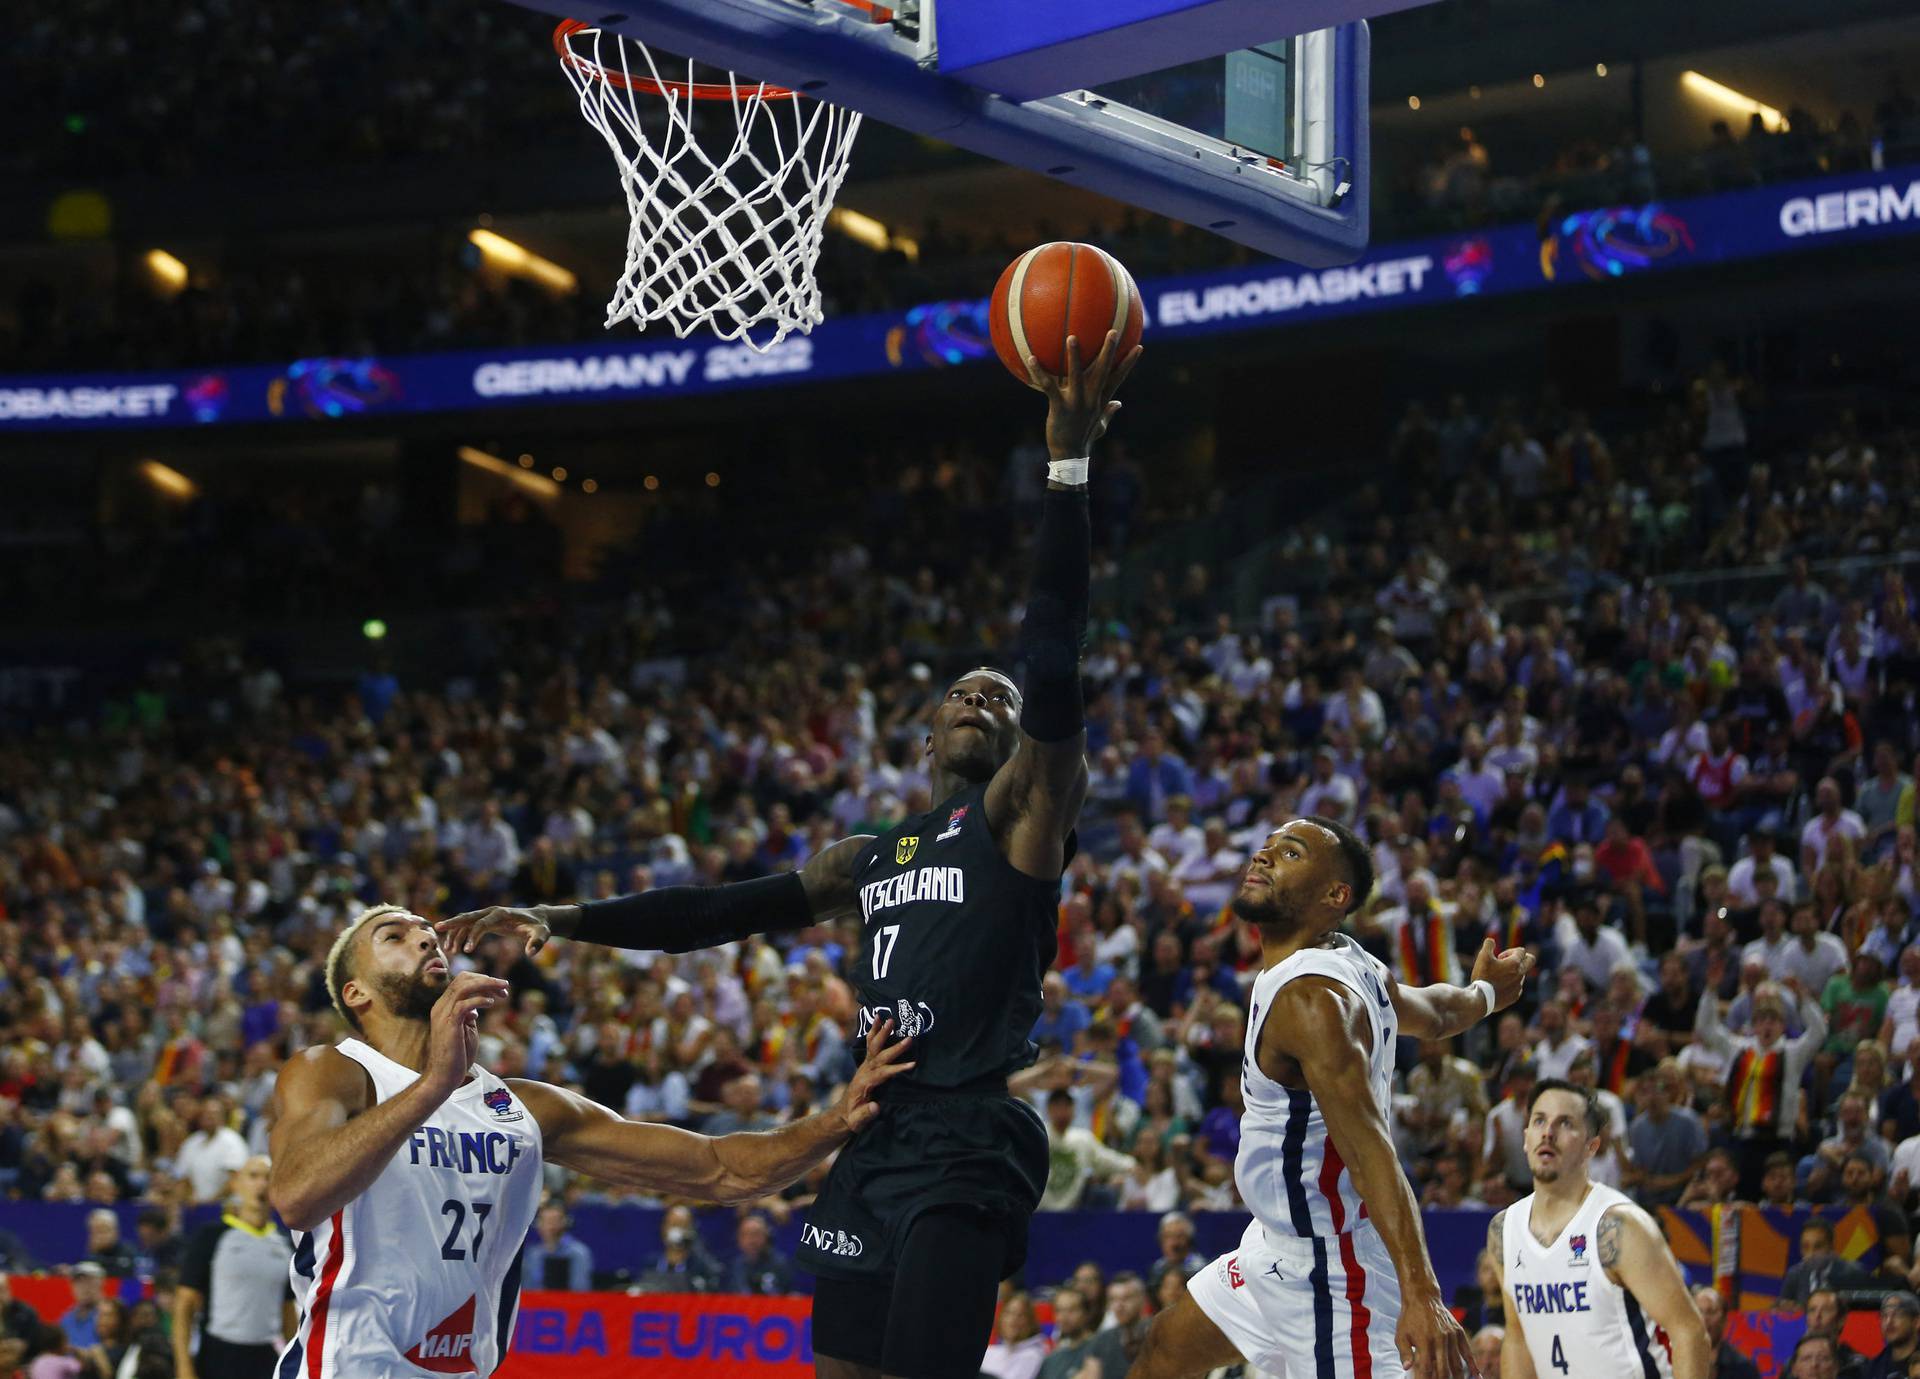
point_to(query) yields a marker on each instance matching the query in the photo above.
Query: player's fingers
(1126, 367)
(893, 1070)
(1038, 378)
(1464, 1351)
(1103, 361)
(893, 1052)
(1075, 369)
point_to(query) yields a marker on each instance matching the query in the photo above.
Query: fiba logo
(831, 1242)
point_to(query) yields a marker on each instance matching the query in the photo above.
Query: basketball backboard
(1192, 109)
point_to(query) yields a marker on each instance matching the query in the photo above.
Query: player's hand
(1080, 405)
(1432, 1344)
(1506, 970)
(857, 1105)
(533, 926)
(453, 1030)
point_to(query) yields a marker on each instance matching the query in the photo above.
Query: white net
(724, 234)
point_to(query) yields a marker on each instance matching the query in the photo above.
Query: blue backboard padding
(1026, 51)
(862, 67)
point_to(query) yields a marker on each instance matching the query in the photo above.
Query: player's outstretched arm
(1515, 1361)
(679, 919)
(329, 1141)
(1635, 1255)
(1322, 1025)
(1034, 800)
(585, 1136)
(1442, 1011)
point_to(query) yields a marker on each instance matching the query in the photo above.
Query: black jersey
(954, 941)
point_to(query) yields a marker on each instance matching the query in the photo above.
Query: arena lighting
(1712, 90)
(539, 485)
(864, 229)
(1599, 69)
(168, 480)
(373, 629)
(1538, 81)
(514, 258)
(1413, 102)
(169, 270)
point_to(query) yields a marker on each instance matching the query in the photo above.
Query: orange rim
(691, 90)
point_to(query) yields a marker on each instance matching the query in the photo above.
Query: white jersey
(420, 1274)
(1578, 1323)
(1289, 1174)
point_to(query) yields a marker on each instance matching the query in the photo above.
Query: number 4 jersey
(420, 1274)
(1578, 1323)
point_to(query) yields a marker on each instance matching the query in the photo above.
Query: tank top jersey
(954, 942)
(1578, 1323)
(420, 1274)
(1288, 1171)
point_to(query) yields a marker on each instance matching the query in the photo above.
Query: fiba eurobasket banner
(604, 1335)
(1604, 244)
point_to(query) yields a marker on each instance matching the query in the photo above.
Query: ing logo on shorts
(1234, 1277)
(831, 1242)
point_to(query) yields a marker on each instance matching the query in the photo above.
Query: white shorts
(1307, 1308)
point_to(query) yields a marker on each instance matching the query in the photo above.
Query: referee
(235, 1273)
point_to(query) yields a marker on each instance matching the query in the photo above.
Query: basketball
(1058, 290)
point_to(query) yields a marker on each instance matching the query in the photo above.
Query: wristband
(1069, 471)
(1485, 988)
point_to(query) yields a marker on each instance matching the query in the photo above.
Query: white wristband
(1485, 988)
(1069, 471)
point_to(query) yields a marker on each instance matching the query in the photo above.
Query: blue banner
(1599, 245)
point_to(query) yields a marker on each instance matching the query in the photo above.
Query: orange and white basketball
(1059, 290)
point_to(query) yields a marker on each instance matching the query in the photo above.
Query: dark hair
(1821, 1224)
(1596, 1114)
(1058, 1095)
(1813, 1338)
(1358, 859)
(1779, 1159)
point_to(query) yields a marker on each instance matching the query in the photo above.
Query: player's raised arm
(586, 1136)
(1442, 1011)
(1322, 1025)
(1034, 800)
(1635, 1254)
(679, 919)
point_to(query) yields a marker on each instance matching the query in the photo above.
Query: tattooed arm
(1635, 1256)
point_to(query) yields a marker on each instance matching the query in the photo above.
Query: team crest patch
(953, 824)
(1579, 1245)
(904, 849)
(500, 1102)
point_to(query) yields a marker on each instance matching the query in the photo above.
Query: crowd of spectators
(1700, 815)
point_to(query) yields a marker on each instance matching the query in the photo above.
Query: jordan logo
(448, 1348)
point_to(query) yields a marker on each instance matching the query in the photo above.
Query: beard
(973, 756)
(411, 996)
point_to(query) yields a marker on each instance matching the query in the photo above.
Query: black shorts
(927, 1149)
(219, 1360)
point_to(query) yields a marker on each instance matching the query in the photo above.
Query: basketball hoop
(727, 241)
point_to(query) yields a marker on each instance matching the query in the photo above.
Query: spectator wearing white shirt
(1136, 858)
(1177, 838)
(1210, 875)
(1902, 1024)
(1590, 947)
(1761, 855)
(1774, 940)
(1559, 1047)
(208, 1157)
(1830, 822)
(1812, 954)
(1356, 709)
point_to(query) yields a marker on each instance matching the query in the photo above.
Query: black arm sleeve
(681, 919)
(1056, 621)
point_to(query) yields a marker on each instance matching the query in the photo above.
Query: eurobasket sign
(1602, 244)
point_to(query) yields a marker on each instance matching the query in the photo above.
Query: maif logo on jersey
(448, 1348)
(1579, 1244)
(500, 1102)
(904, 849)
